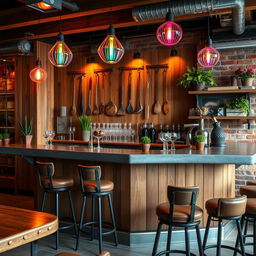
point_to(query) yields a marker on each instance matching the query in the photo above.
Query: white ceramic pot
(249, 81)
(86, 135)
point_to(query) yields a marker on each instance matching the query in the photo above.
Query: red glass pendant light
(169, 33)
(38, 74)
(111, 50)
(208, 57)
(60, 55)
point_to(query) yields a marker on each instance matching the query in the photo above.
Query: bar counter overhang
(141, 180)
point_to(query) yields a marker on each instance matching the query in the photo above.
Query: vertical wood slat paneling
(199, 181)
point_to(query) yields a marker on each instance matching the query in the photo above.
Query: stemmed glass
(165, 139)
(46, 136)
(98, 134)
(51, 136)
(173, 137)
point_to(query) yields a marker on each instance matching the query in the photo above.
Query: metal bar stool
(220, 209)
(92, 186)
(249, 216)
(56, 185)
(180, 211)
(74, 254)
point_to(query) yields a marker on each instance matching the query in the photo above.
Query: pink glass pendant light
(111, 50)
(38, 74)
(60, 55)
(169, 33)
(208, 56)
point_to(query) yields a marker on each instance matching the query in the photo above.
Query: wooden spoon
(129, 108)
(88, 109)
(102, 105)
(73, 109)
(166, 104)
(157, 105)
(110, 108)
(96, 109)
(81, 97)
(147, 112)
(139, 105)
(121, 110)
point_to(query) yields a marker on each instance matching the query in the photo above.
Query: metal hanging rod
(157, 66)
(74, 73)
(106, 70)
(130, 68)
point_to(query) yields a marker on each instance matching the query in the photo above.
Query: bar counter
(141, 180)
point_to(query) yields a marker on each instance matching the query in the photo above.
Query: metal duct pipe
(71, 6)
(22, 47)
(187, 7)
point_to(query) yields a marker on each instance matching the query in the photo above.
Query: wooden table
(20, 226)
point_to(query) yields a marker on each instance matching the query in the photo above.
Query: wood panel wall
(179, 100)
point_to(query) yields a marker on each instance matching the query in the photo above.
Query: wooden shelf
(7, 110)
(223, 91)
(7, 165)
(7, 177)
(225, 117)
(7, 127)
(7, 93)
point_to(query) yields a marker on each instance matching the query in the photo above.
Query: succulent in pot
(85, 122)
(146, 141)
(6, 138)
(200, 141)
(197, 79)
(26, 128)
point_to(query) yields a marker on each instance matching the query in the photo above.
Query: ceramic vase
(86, 135)
(249, 82)
(217, 136)
(28, 139)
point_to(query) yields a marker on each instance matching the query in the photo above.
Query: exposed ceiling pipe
(70, 5)
(21, 47)
(188, 7)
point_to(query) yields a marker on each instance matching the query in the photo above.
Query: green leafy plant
(6, 135)
(199, 138)
(194, 77)
(243, 74)
(241, 103)
(85, 122)
(145, 140)
(26, 127)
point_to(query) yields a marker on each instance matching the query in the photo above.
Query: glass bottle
(160, 130)
(144, 131)
(201, 131)
(178, 131)
(152, 133)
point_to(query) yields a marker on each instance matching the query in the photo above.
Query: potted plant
(238, 107)
(85, 122)
(200, 142)
(26, 129)
(246, 76)
(6, 138)
(197, 78)
(145, 140)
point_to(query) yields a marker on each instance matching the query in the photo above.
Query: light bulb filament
(38, 75)
(60, 54)
(169, 33)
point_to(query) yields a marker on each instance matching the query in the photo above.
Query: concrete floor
(90, 248)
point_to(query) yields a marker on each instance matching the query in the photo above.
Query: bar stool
(92, 186)
(220, 209)
(74, 254)
(180, 211)
(250, 214)
(56, 185)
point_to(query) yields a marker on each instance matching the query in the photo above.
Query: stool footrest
(174, 251)
(66, 227)
(224, 247)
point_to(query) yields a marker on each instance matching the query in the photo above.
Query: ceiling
(92, 16)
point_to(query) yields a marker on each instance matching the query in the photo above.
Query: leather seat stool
(51, 184)
(74, 254)
(250, 214)
(220, 209)
(180, 211)
(92, 186)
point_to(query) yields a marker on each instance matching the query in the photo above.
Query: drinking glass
(164, 138)
(46, 136)
(173, 137)
(98, 134)
(51, 136)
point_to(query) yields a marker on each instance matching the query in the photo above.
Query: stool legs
(100, 224)
(43, 201)
(112, 219)
(72, 211)
(187, 242)
(199, 241)
(219, 238)
(57, 214)
(206, 232)
(93, 217)
(81, 221)
(169, 238)
(158, 232)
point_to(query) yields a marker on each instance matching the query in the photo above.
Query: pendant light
(60, 55)
(38, 74)
(45, 5)
(208, 57)
(111, 50)
(169, 33)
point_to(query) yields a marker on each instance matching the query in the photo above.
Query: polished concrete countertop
(233, 153)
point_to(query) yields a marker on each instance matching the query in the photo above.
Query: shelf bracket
(29, 159)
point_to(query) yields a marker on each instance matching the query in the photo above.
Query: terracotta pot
(200, 146)
(7, 141)
(28, 139)
(145, 148)
(86, 135)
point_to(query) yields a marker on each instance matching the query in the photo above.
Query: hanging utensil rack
(163, 66)
(106, 70)
(131, 68)
(73, 73)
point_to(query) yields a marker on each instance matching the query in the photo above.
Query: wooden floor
(25, 202)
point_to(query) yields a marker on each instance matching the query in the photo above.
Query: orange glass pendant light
(60, 55)
(111, 50)
(38, 74)
(169, 33)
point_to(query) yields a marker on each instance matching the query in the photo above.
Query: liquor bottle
(166, 128)
(160, 130)
(144, 131)
(152, 133)
(178, 131)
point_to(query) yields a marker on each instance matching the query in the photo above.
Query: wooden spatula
(129, 108)
(157, 105)
(110, 108)
(139, 107)
(73, 109)
(147, 111)
(102, 104)
(166, 104)
(96, 109)
(88, 109)
(121, 110)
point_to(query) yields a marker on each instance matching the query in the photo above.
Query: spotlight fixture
(174, 53)
(136, 55)
(111, 50)
(38, 74)
(60, 55)
(169, 33)
(45, 5)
